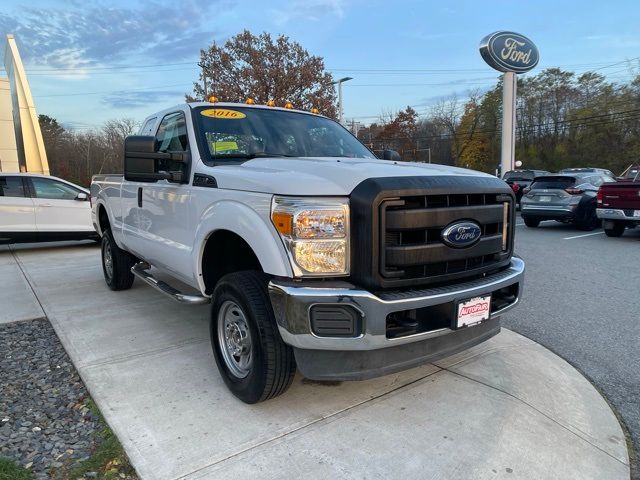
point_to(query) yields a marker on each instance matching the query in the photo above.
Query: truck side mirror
(141, 160)
(391, 155)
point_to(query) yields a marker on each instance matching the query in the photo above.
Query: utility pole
(204, 80)
(88, 157)
(340, 82)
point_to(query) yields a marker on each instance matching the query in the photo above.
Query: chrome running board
(140, 271)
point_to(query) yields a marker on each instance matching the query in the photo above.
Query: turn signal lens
(288, 105)
(283, 221)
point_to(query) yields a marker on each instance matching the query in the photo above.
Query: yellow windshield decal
(224, 146)
(222, 113)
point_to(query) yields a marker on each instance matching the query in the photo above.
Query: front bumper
(372, 353)
(617, 214)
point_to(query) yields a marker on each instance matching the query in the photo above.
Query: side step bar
(140, 271)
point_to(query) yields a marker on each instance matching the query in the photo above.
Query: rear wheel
(615, 230)
(254, 362)
(116, 264)
(531, 222)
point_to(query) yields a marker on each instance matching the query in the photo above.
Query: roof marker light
(250, 101)
(288, 105)
(213, 99)
(271, 103)
(315, 110)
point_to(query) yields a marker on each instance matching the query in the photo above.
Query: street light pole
(340, 82)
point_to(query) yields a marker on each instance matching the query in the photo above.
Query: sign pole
(509, 84)
(510, 53)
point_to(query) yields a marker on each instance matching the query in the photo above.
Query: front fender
(245, 222)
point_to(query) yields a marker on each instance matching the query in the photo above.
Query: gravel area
(45, 422)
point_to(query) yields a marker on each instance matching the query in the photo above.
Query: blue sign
(461, 234)
(509, 52)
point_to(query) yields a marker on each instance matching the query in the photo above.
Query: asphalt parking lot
(582, 298)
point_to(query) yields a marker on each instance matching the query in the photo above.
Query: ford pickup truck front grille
(411, 228)
(406, 229)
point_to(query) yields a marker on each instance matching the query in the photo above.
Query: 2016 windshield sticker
(222, 113)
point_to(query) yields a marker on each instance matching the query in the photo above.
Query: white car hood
(321, 176)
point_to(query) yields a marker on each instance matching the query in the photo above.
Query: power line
(109, 91)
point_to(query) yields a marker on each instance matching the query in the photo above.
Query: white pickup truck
(314, 253)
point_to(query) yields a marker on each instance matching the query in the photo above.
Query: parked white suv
(43, 208)
(313, 252)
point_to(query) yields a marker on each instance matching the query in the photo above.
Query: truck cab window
(172, 134)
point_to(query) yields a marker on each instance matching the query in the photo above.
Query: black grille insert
(396, 225)
(412, 246)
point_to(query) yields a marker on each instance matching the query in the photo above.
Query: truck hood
(321, 176)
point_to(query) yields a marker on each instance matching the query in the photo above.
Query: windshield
(242, 133)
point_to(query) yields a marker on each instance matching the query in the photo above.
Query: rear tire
(616, 230)
(531, 222)
(254, 362)
(116, 264)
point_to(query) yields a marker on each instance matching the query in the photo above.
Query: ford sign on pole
(511, 53)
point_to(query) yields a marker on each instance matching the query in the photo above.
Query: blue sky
(92, 61)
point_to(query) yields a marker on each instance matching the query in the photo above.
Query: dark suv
(518, 180)
(569, 198)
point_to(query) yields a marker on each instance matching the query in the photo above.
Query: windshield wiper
(249, 156)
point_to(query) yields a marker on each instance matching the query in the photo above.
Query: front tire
(116, 264)
(616, 230)
(254, 362)
(531, 222)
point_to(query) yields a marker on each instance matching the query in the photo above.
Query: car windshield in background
(522, 176)
(553, 182)
(237, 133)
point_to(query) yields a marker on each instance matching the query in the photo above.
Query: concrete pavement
(507, 408)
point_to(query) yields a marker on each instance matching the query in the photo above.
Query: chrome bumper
(292, 303)
(614, 214)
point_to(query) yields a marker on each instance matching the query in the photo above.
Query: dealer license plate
(474, 310)
(636, 213)
(545, 198)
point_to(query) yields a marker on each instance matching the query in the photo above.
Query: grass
(109, 458)
(10, 471)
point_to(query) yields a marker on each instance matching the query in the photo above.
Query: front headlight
(315, 232)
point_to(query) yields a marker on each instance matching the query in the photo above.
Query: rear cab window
(11, 187)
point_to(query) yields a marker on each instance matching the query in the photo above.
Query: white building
(21, 145)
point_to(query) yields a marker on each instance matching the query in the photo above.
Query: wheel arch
(232, 236)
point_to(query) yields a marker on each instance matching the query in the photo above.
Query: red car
(619, 205)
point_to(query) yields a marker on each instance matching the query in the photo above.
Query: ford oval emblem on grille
(461, 234)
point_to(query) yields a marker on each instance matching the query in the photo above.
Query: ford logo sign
(461, 234)
(509, 52)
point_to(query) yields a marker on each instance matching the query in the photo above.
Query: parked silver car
(567, 198)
